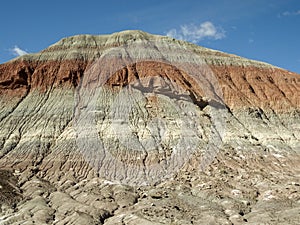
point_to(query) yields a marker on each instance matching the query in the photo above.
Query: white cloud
(18, 52)
(289, 13)
(195, 33)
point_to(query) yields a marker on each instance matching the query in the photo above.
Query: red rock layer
(272, 88)
(17, 77)
(242, 86)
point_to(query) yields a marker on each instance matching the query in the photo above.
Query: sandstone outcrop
(134, 128)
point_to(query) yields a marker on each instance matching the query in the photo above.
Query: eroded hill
(133, 128)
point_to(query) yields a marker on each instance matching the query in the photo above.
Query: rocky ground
(247, 188)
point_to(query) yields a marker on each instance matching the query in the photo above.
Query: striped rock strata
(133, 128)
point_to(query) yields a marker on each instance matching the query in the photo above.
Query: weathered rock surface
(133, 128)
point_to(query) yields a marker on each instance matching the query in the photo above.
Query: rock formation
(133, 128)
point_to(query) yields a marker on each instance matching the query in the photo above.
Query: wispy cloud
(18, 51)
(251, 40)
(194, 33)
(291, 13)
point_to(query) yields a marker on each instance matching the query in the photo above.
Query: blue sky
(265, 30)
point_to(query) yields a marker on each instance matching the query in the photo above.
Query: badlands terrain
(133, 128)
